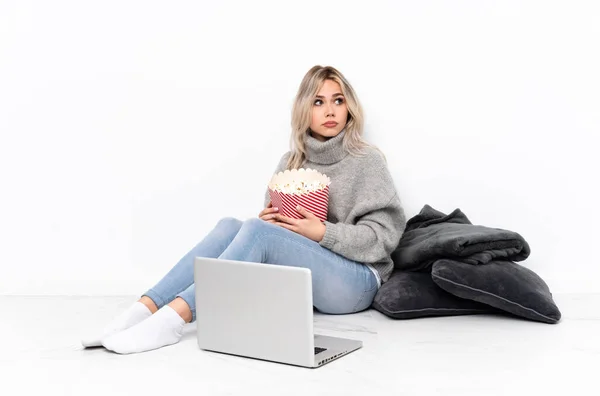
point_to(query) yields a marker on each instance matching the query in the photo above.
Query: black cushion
(502, 284)
(432, 235)
(408, 295)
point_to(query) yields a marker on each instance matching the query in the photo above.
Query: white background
(129, 128)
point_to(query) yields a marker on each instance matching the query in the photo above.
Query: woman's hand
(311, 226)
(266, 213)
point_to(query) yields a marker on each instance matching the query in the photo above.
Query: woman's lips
(330, 124)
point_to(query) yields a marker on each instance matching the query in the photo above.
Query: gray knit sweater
(365, 218)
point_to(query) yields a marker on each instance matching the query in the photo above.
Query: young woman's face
(329, 112)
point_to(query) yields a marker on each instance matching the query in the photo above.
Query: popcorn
(299, 187)
(305, 187)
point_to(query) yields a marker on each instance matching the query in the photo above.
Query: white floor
(468, 355)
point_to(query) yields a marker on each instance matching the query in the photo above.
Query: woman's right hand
(267, 213)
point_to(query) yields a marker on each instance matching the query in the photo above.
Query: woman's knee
(258, 232)
(230, 223)
(242, 230)
(255, 225)
(254, 222)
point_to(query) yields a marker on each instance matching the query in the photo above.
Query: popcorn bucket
(305, 187)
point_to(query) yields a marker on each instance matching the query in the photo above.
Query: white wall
(129, 128)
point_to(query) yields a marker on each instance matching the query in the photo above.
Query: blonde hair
(302, 115)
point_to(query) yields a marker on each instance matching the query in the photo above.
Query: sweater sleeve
(281, 166)
(377, 223)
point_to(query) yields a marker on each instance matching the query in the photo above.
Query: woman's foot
(163, 328)
(136, 313)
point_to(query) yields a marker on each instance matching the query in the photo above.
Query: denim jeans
(339, 285)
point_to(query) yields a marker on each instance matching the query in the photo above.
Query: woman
(349, 255)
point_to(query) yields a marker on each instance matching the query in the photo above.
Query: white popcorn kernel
(299, 181)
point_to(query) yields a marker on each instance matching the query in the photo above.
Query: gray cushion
(408, 295)
(502, 284)
(432, 235)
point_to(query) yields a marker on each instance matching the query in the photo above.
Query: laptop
(261, 311)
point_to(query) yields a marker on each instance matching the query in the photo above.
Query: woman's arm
(373, 237)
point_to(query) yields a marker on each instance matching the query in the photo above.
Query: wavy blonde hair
(302, 115)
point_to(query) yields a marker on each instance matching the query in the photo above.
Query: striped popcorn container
(305, 187)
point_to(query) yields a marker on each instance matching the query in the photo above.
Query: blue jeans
(339, 285)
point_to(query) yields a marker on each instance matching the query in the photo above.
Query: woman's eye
(338, 101)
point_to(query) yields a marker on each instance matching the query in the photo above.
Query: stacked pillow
(447, 266)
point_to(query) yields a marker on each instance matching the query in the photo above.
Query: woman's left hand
(311, 226)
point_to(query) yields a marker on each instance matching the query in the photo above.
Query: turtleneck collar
(327, 152)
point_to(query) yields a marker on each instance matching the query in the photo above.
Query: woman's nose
(329, 111)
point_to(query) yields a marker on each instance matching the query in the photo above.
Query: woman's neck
(326, 152)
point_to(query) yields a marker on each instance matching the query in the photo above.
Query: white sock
(163, 328)
(131, 316)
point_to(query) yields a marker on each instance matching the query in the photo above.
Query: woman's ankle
(182, 308)
(147, 301)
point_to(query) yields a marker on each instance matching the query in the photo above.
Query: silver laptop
(261, 311)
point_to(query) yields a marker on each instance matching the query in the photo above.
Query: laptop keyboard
(319, 350)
